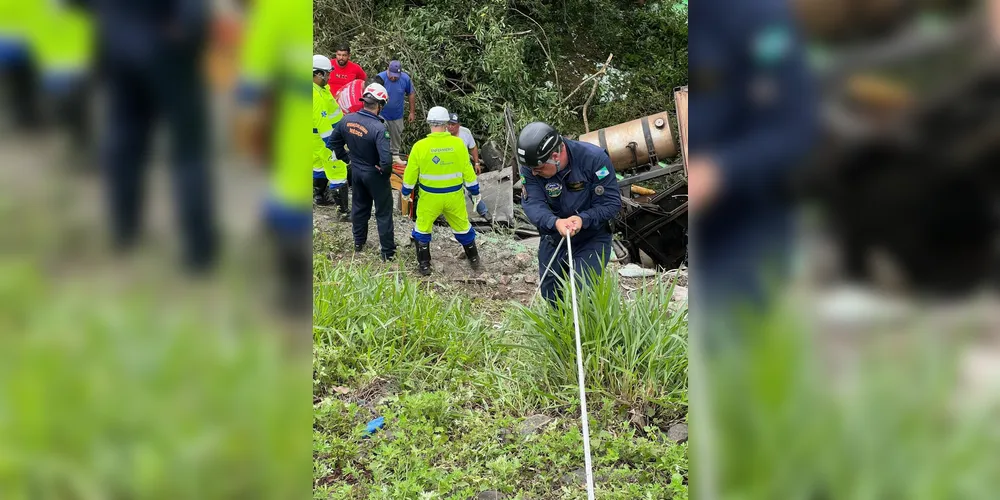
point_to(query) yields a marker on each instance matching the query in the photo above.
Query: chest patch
(436, 160)
(575, 186)
(599, 190)
(553, 189)
(602, 173)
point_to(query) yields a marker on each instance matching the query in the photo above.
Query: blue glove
(375, 425)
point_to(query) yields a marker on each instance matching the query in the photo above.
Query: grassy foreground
(455, 386)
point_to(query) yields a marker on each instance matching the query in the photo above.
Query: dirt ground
(510, 266)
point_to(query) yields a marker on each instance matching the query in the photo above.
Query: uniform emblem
(772, 45)
(386, 134)
(323, 113)
(436, 160)
(575, 186)
(603, 172)
(554, 189)
(599, 190)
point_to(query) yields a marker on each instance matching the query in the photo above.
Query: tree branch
(593, 90)
(545, 46)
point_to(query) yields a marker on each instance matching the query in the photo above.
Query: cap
(395, 68)
(453, 118)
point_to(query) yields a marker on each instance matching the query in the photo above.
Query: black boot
(424, 258)
(340, 195)
(320, 188)
(472, 253)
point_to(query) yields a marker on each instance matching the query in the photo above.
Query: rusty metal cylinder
(635, 143)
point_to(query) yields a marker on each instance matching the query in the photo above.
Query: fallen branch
(593, 90)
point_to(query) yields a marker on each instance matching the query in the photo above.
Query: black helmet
(536, 143)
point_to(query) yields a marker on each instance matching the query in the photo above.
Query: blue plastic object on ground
(375, 425)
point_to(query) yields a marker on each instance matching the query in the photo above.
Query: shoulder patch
(602, 173)
(386, 134)
(772, 44)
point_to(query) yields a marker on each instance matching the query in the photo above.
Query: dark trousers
(170, 89)
(589, 256)
(20, 81)
(371, 186)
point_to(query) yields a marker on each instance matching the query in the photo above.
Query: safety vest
(322, 128)
(334, 114)
(63, 40)
(278, 45)
(440, 164)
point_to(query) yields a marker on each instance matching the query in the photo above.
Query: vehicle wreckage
(651, 228)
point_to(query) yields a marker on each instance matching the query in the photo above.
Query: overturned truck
(651, 228)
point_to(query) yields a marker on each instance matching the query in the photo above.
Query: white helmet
(437, 115)
(375, 93)
(322, 63)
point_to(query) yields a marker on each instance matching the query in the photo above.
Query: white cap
(437, 114)
(322, 62)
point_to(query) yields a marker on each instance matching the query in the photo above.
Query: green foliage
(459, 386)
(113, 395)
(475, 56)
(635, 349)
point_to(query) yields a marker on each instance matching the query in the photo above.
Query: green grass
(454, 383)
(125, 393)
(888, 426)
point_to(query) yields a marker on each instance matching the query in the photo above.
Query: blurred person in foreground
(18, 67)
(329, 173)
(149, 57)
(275, 111)
(365, 134)
(456, 129)
(570, 189)
(753, 120)
(439, 168)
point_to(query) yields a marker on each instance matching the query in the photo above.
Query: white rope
(579, 366)
(548, 267)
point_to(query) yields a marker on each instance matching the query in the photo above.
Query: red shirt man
(344, 70)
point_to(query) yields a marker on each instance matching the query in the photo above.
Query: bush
(476, 56)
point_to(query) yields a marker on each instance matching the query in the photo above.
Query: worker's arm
(413, 101)
(534, 204)
(412, 172)
(763, 156)
(606, 200)
(337, 141)
(384, 154)
(364, 76)
(469, 177)
(475, 159)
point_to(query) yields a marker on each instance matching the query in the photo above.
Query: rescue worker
(365, 134)
(329, 173)
(570, 188)
(150, 57)
(274, 94)
(753, 110)
(440, 164)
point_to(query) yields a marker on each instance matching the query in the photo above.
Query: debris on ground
(634, 271)
(534, 424)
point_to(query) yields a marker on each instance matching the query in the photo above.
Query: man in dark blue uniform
(366, 136)
(149, 54)
(753, 120)
(570, 188)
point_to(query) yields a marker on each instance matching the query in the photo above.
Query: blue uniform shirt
(586, 187)
(366, 136)
(752, 105)
(398, 90)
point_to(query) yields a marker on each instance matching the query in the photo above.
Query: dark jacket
(366, 136)
(587, 187)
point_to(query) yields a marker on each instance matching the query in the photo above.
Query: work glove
(476, 198)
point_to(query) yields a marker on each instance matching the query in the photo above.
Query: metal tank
(636, 143)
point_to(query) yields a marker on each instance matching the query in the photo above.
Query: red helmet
(375, 93)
